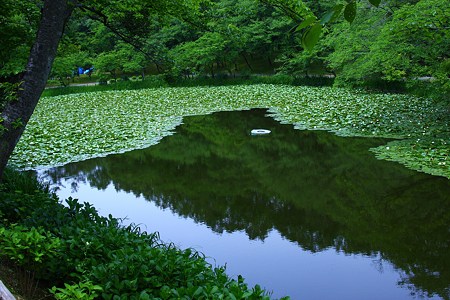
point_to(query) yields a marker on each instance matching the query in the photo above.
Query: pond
(302, 213)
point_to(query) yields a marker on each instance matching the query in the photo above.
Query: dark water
(303, 213)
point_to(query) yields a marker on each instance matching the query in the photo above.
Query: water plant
(79, 126)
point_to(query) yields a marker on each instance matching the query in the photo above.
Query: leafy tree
(416, 44)
(251, 30)
(200, 55)
(124, 18)
(352, 43)
(134, 61)
(66, 63)
(394, 44)
(16, 112)
(18, 24)
(123, 58)
(308, 20)
(267, 34)
(110, 62)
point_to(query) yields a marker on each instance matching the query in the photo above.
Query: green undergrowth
(86, 256)
(156, 81)
(80, 126)
(150, 82)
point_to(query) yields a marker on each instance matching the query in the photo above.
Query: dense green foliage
(406, 45)
(391, 44)
(76, 127)
(154, 81)
(132, 84)
(18, 23)
(94, 255)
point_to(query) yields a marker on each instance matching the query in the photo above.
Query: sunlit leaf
(311, 36)
(306, 23)
(332, 14)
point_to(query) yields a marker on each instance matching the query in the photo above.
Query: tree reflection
(317, 189)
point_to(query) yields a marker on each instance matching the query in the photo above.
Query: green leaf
(311, 36)
(375, 2)
(332, 14)
(232, 297)
(198, 292)
(247, 294)
(144, 296)
(350, 11)
(306, 23)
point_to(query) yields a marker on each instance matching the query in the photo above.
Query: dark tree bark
(53, 19)
(246, 62)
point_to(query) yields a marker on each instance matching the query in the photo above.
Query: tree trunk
(158, 68)
(246, 62)
(17, 113)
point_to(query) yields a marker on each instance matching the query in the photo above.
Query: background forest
(399, 45)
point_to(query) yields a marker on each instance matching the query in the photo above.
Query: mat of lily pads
(76, 127)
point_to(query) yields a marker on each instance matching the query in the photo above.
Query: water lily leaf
(74, 127)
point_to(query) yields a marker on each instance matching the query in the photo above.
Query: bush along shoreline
(86, 256)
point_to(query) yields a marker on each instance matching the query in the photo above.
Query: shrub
(274, 79)
(103, 79)
(87, 255)
(313, 81)
(28, 246)
(22, 196)
(106, 84)
(83, 290)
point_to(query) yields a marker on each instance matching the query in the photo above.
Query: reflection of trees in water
(96, 175)
(315, 188)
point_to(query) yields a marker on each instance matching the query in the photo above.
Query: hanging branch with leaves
(311, 26)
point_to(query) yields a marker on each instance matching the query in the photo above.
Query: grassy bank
(81, 255)
(158, 81)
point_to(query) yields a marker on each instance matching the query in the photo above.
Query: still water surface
(302, 213)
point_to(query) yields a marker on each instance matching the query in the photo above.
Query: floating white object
(260, 131)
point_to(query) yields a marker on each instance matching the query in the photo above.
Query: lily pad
(76, 127)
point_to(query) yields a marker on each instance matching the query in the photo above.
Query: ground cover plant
(74, 127)
(150, 82)
(156, 81)
(85, 256)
